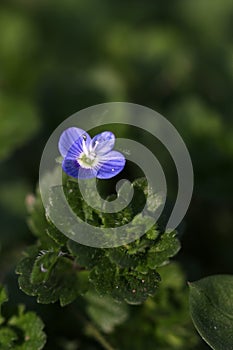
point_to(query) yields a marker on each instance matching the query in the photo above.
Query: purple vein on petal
(103, 142)
(67, 139)
(71, 167)
(111, 165)
(77, 148)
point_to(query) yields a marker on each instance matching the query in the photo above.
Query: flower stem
(92, 331)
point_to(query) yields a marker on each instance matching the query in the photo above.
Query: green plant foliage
(124, 284)
(42, 228)
(86, 257)
(211, 308)
(7, 338)
(61, 269)
(3, 299)
(50, 276)
(58, 57)
(105, 311)
(23, 331)
(161, 322)
(166, 247)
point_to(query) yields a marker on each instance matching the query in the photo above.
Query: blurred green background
(57, 57)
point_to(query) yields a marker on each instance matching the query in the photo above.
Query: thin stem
(94, 332)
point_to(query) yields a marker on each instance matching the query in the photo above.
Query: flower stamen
(87, 161)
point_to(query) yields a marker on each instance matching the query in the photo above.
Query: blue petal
(111, 165)
(103, 143)
(67, 139)
(72, 168)
(87, 173)
(78, 147)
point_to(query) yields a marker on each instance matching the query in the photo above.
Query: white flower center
(88, 158)
(87, 161)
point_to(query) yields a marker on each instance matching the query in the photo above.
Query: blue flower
(88, 158)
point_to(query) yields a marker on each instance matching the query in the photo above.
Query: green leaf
(3, 299)
(7, 338)
(139, 286)
(51, 277)
(24, 269)
(75, 200)
(140, 222)
(124, 284)
(43, 266)
(85, 256)
(72, 281)
(32, 327)
(167, 246)
(47, 233)
(211, 307)
(3, 295)
(105, 311)
(103, 277)
(55, 234)
(121, 258)
(21, 332)
(117, 219)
